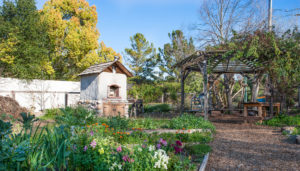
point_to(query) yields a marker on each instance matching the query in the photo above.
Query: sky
(120, 19)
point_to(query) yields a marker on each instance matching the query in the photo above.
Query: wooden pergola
(211, 64)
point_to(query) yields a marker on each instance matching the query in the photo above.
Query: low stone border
(204, 163)
(160, 131)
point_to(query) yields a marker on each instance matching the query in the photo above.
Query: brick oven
(103, 87)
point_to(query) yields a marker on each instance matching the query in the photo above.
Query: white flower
(140, 149)
(151, 148)
(162, 159)
(114, 165)
(120, 166)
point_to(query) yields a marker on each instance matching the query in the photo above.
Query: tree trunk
(255, 89)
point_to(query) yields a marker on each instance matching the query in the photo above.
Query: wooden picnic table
(261, 107)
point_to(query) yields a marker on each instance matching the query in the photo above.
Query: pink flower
(131, 160)
(126, 158)
(179, 143)
(92, 133)
(85, 148)
(177, 149)
(119, 149)
(162, 141)
(93, 144)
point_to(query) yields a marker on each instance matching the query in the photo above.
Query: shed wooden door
(113, 109)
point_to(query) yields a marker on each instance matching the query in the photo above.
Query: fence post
(66, 100)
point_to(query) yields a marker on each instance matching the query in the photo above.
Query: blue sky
(120, 19)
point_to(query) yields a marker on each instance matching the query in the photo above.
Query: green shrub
(157, 108)
(283, 120)
(188, 121)
(118, 122)
(5, 129)
(76, 116)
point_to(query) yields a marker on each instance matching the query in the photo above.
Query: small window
(113, 91)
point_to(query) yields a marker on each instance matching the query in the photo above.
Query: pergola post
(271, 97)
(183, 76)
(182, 91)
(205, 89)
(203, 69)
(299, 96)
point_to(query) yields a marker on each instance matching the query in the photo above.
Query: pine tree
(141, 57)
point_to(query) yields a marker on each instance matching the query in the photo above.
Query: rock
(298, 139)
(288, 129)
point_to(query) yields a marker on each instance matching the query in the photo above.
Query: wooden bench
(262, 108)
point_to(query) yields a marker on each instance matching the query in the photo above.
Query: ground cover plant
(80, 140)
(283, 120)
(189, 121)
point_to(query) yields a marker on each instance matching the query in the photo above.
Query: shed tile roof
(98, 68)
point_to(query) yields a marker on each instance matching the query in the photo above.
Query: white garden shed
(103, 87)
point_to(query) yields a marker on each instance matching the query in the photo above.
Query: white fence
(38, 95)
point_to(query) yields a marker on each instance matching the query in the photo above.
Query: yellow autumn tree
(73, 36)
(107, 54)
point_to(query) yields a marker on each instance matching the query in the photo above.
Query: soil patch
(10, 106)
(252, 147)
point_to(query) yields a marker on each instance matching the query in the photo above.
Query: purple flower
(93, 144)
(179, 143)
(119, 149)
(158, 146)
(85, 148)
(92, 133)
(74, 147)
(162, 141)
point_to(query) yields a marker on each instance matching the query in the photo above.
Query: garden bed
(80, 140)
(290, 126)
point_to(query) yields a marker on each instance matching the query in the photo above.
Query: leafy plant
(118, 122)
(51, 114)
(199, 150)
(76, 116)
(283, 120)
(148, 123)
(27, 120)
(157, 108)
(188, 121)
(5, 128)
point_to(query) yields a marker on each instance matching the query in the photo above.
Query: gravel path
(252, 147)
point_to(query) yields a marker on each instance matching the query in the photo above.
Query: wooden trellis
(211, 64)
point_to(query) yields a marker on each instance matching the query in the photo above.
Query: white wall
(89, 87)
(106, 79)
(40, 94)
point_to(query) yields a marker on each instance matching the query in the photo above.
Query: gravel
(252, 147)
